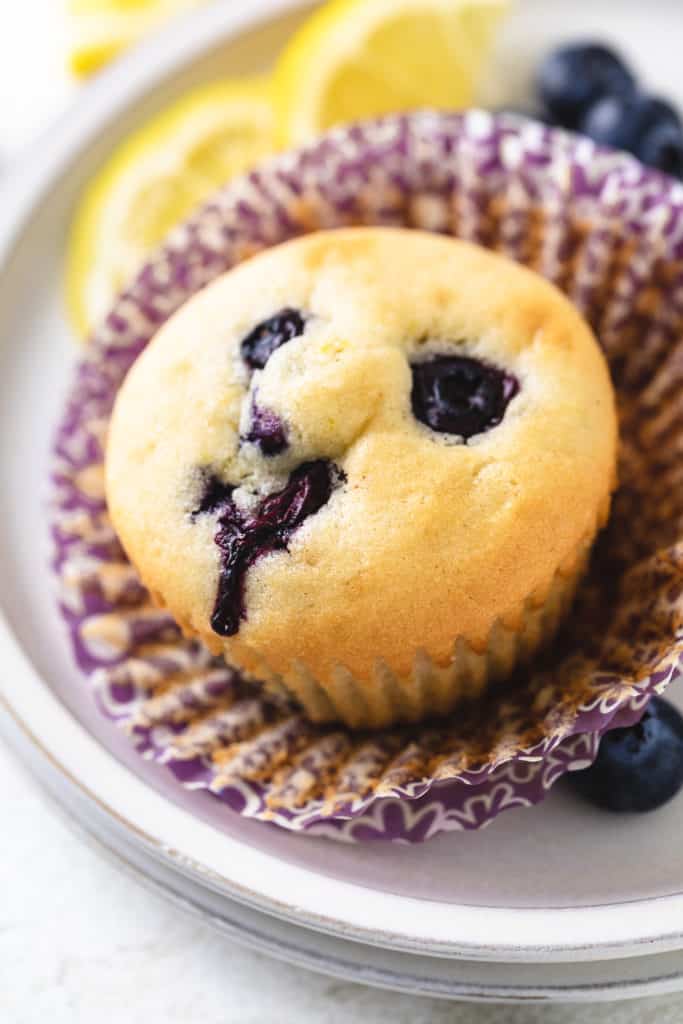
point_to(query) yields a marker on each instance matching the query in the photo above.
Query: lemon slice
(154, 180)
(360, 58)
(100, 29)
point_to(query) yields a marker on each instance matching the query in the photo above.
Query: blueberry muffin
(367, 467)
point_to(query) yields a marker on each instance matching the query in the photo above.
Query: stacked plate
(553, 902)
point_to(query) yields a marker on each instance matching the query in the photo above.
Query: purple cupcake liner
(607, 231)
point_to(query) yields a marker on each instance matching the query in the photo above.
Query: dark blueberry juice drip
(244, 537)
(460, 395)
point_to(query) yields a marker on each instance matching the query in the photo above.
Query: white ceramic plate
(372, 965)
(550, 885)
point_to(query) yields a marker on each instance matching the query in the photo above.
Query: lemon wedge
(154, 179)
(98, 30)
(361, 58)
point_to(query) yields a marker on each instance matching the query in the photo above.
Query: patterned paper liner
(609, 233)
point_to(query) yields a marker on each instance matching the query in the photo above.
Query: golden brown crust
(428, 541)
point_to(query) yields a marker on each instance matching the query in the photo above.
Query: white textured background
(82, 943)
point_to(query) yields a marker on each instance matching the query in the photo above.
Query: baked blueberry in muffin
(367, 466)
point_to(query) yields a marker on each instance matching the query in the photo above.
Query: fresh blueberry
(624, 122)
(573, 77)
(638, 768)
(460, 395)
(244, 537)
(662, 147)
(269, 335)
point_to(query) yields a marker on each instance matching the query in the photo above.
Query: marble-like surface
(80, 940)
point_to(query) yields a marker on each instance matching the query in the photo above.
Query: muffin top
(361, 445)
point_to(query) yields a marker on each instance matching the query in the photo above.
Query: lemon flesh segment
(354, 59)
(154, 180)
(98, 30)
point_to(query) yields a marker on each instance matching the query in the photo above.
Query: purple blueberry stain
(215, 494)
(270, 335)
(244, 537)
(266, 430)
(460, 395)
